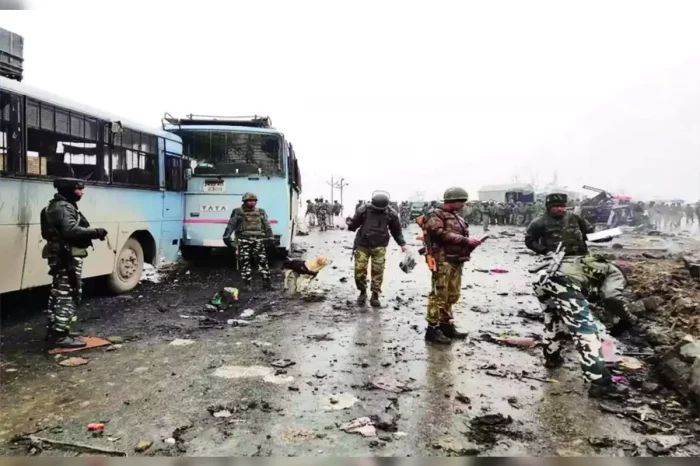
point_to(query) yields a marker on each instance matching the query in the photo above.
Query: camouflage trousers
(363, 257)
(567, 314)
(446, 285)
(252, 252)
(322, 220)
(65, 293)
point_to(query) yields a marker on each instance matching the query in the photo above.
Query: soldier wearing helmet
(564, 295)
(68, 236)
(374, 223)
(450, 246)
(253, 232)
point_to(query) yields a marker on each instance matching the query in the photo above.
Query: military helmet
(556, 199)
(250, 197)
(456, 194)
(380, 200)
(68, 183)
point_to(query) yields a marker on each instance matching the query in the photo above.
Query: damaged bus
(133, 176)
(229, 156)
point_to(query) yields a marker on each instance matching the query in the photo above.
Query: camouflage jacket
(248, 223)
(448, 234)
(544, 234)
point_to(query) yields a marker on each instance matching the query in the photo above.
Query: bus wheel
(128, 269)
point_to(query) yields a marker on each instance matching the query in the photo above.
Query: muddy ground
(220, 395)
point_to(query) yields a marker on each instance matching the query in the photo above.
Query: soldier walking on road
(68, 236)
(564, 296)
(253, 233)
(448, 242)
(310, 213)
(374, 222)
(322, 213)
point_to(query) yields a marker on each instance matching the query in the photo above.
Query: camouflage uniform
(564, 297)
(374, 225)
(252, 228)
(68, 235)
(322, 213)
(363, 257)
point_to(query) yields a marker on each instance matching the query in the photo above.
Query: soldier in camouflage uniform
(310, 213)
(448, 242)
(68, 236)
(253, 232)
(374, 222)
(322, 214)
(565, 296)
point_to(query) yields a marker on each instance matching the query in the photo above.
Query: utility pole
(341, 184)
(332, 185)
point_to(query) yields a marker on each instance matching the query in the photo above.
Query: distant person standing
(310, 213)
(68, 236)
(322, 214)
(337, 210)
(689, 215)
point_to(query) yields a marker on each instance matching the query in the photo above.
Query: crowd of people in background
(323, 214)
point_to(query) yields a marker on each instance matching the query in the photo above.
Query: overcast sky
(403, 96)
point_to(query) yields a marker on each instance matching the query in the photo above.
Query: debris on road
(224, 413)
(95, 427)
(181, 342)
(247, 372)
(497, 270)
(389, 384)
(462, 398)
(526, 342)
(37, 441)
(73, 362)
(115, 340)
(247, 313)
(90, 342)
(601, 442)
(321, 337)
(237, 322)
(143, 445)
(362, 426)
(261, 344)
(282, 363)
(339, 401)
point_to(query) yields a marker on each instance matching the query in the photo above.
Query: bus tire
(128, 267)
(194, 253)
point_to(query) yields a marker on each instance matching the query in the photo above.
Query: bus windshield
(233, 153)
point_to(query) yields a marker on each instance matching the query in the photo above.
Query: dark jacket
(544, 234)
(448, 235)
(248, 223)
(65, 228)
(374, 226)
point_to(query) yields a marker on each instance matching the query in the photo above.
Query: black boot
(553, 362)
(374, 300)
(450, 331)
(267, 284)
(63, 340)
(606, 388)
(433, 334)
(362, 298)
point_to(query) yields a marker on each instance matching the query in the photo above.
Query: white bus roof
(54, 99)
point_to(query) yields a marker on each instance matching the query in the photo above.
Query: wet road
(149, 389)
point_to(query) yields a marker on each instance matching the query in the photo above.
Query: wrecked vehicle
(608, 211)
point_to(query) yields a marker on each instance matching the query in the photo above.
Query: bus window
(11, 130)
(135, 159)
(233, 153)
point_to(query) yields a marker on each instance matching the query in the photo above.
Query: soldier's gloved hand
(101, 233)
(228, 242)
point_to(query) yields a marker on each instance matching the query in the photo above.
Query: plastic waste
(96, 427)
(608, 347)
(408, 263)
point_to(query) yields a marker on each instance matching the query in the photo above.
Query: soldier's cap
(68, 183)
(556, 199)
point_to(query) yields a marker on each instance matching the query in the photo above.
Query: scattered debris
(321, 337)
(224, 413)
(261, 344)
(237, 322)
(388, 384)
(143, 445)
(339, 401)
(526, 342)
(601, 442)
(170, 441)
(282, 363)
(538, 316)
(247, 313)
(320, 375)
(115, 340)
(96, 427)
(181, 342)
(90, 342)
(497, 270)
(247, 372)
(37, 441)
(73, 362)
(362, 426)
(462, 398)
